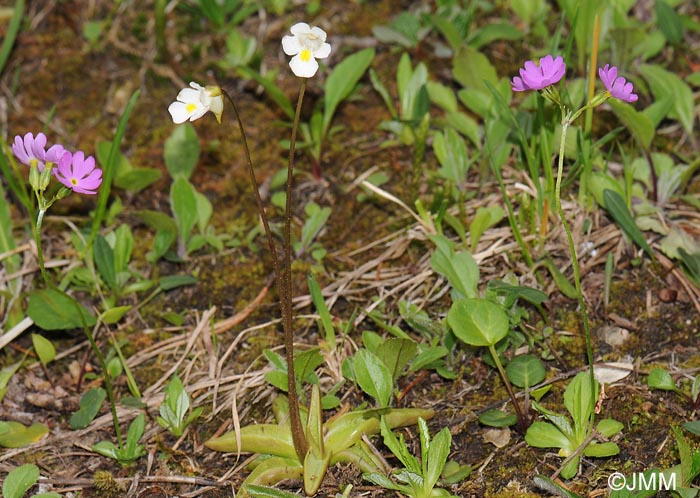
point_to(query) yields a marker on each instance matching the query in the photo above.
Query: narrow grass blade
(617, 208)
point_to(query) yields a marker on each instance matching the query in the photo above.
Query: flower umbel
(616, 85)
(534, 77)
(306, 44)
(32, 150)
(79, 173)
(193, 103)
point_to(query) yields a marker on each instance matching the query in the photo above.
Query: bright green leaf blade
(602, 450)
(373, 376)
(54, 310)
(19, 480)
(261, 438)
(342, 80)
(664, 83)
(44, 349)
(90, 405)
(437, 456)
(660, 379)
(16, 435)
(137, 179)
(395, 353)
(615, 205)
(113, 315)
(545, 435)
(181, 151)
(497, 418)
(478, 322)
(460, 268)
(266, 492)
(638, 123)
(104, 260)
(609, 427)
(322, 309)
(526, 371)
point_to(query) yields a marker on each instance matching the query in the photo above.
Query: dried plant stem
(282, 272)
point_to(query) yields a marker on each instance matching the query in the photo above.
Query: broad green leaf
(669, 22)
(526, 371)
(373, 376)
(157, 220)
(170, 282)
(54, 310)
(495, 31)
(478, 322)
(183, 203)
(615, 205)
(608, 427)
(470, 68)
(342, 81)
(16, 435)
(104, 260)
(398, 447)
(460, 268)
(442, 96)
(181, 151)
(19, 480)
(437, 456)
(123, 246)
(266, 492)
(137, 179)
(90, 405)
(546, 435)
(113, 315)
(452, 155)
(580, 401)
(660, 379)
(664, 83)
(44, 349)
(601, 450)
(396, 353)
(497, 418)
(638, 123)
(204, 211)
(485, 218)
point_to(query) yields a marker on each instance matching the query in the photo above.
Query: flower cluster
(76, 172)
(551, 70)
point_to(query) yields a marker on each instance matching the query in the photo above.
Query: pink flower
(78, 173)
(533, 77)
(618, 86)
(29, 149)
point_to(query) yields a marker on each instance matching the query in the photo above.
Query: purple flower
(618, 86)
(29, 149)
(533, 77)
(78, 173)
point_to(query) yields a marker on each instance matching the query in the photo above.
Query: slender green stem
(567, 119)
(300, 444)
(37, 240)
(86, 329)
(523, 420)
(282, 272)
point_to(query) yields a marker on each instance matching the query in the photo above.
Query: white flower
(306, 45)
(193, 103)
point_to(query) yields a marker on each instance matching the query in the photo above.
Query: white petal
(290, 45)
(178, 111)
(198, 113)
(303, 69)
(323, 52)
(300, 28)
(216, 105)
(190, 96)
(196, 86)
(318, 33)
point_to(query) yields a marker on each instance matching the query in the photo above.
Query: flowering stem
(300, 444)
(283, 277)
(523, 419)
(37, 239)
(567, 119)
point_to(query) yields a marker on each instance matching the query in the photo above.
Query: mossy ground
(53, 66)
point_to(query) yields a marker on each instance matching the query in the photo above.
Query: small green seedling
(418, 478)
(129, 452)
(174, 410)
(569, 434)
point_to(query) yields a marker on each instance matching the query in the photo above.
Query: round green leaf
(373, 376)
(661, 379)
(526, 371)
(478, 322)
(54, 310)
(44, 349)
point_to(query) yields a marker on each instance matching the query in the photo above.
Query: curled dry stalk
(283, 270)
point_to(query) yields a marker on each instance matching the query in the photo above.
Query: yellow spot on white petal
(305, 55)
(191, 108)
